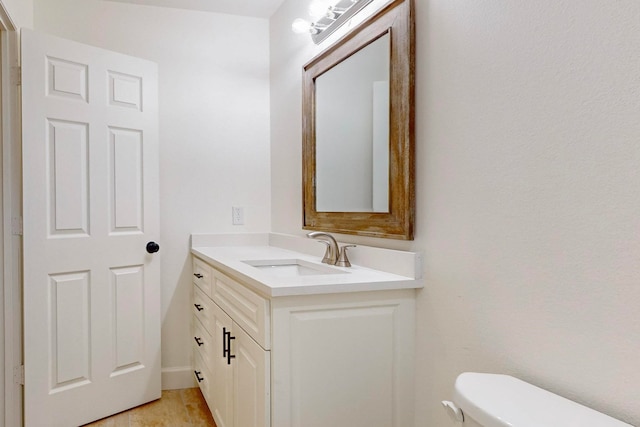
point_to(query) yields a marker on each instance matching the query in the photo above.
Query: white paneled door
(91, 277)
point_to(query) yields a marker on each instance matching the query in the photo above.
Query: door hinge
(16, 76)
(18, 374)
(16, 226)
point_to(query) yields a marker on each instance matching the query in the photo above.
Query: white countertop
(229, 260)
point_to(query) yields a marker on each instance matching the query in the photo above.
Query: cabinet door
(222, 383)
(252, 382)
(343, 361)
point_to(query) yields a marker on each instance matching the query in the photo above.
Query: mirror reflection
(352, 132)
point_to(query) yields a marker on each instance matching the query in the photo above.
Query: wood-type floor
(176, 408)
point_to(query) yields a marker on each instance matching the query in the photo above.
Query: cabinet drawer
(248, 309)
(202, 308)
(202, 340)
(202, 275)
(203, 375)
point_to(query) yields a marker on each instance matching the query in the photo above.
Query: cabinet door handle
(198, 341)
(199, 276)
(198, 376)
(226, 345)
(198, 306)
(229, 355)
(224, 342)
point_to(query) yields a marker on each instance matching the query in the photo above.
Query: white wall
(214, 126)
(20, 11)
(527, 192)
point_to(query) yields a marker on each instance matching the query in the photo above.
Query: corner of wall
(21, 12)
(178, 378)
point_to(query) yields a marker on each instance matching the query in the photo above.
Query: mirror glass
(352, 132)
(358, 129)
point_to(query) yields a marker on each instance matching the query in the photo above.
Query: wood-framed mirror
(358, 129)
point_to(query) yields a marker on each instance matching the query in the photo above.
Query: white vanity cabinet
(325, 359)
(232, 369)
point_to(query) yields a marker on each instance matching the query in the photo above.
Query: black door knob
(153, 247)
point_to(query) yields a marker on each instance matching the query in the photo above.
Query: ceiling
(256, 8)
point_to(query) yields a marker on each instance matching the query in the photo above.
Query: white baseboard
(178, 377)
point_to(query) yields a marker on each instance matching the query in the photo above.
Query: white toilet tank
(492, 400)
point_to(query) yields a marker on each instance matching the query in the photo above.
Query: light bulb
(300, 26)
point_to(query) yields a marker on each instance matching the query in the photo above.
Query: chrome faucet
(331, 254)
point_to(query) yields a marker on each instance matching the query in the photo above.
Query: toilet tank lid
(495, 400)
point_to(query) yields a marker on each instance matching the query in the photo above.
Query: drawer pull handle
(226, 345)
(199, 276)
(198, 341)
(198, 306)
(198, 376)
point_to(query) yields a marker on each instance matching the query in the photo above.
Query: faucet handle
(327, 253)
(343, 260)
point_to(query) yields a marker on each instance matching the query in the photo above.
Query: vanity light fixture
(329, 16)
(301, 26)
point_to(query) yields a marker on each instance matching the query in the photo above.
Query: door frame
(11, 222)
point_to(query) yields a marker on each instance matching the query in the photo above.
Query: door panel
(222, 384)
(69, 296)
(127, 286)
(90, 191)
(68, 177)
(125, 176)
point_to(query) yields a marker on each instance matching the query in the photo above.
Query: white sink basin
(292, 267)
